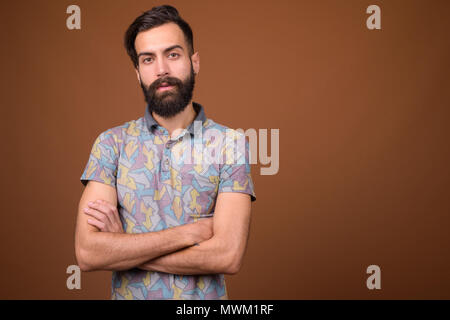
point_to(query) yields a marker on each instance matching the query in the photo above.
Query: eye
(147, 60)
(174, 55)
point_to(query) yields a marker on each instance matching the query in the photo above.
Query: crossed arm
(101, 244)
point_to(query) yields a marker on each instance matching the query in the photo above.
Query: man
(167, 220)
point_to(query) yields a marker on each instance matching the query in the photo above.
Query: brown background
(364, 128)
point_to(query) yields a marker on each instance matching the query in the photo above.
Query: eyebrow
(149, 53)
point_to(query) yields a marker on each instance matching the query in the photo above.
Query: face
(166, 71)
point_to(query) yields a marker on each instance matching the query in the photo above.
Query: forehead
(159, 38)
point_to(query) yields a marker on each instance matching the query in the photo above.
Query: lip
(165, 88)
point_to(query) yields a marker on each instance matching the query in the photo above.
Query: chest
(159, 186)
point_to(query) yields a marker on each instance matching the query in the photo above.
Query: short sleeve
(103, 160)
(235, 173)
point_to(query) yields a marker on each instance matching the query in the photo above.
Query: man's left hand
(104, 216)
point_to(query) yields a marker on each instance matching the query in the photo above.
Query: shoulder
(118, 134)
(233, 143)
(225, 132)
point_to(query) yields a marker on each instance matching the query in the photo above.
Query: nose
(162, 68)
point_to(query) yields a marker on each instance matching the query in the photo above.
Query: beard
(169, 103)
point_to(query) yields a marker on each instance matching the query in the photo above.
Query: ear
(137, 74)
(196, 62)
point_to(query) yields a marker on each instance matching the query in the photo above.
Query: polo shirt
(162, 182)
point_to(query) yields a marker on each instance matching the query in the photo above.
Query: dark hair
(153, 18)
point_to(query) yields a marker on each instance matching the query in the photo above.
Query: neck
(177, 123)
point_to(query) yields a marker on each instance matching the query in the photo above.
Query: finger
(112, 213)
(98, 206)
(107, 204)
(96, 214)
(107, 224)
(96, 223)
(102, 208)
(113, 209)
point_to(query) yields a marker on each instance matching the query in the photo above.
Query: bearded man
(157, 212)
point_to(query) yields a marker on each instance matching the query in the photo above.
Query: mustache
(171, 81)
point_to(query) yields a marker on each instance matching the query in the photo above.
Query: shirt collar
(151, 122)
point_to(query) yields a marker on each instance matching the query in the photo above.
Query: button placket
(166, 156)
